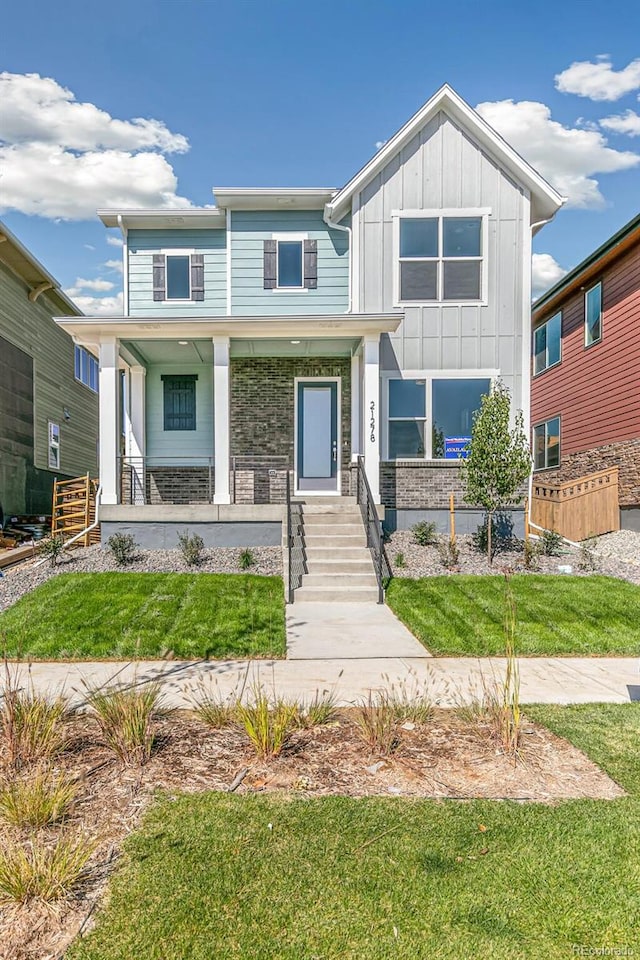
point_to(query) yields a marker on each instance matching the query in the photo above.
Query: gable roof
(545, 200)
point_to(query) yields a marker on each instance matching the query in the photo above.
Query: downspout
(338, 226)
(125, 267)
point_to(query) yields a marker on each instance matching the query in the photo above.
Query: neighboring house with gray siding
(288, 331)
(48, 386)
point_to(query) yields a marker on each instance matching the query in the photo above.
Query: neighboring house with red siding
(585, 391)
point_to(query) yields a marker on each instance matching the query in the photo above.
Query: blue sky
(287, 93)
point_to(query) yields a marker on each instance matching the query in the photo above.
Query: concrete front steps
(339, 565)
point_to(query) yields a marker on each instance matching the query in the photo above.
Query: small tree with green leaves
(499, 460)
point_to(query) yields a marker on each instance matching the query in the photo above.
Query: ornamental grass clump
(32, 726)
(37, 870)
(509, 715)
(376, 723)
(321, 709)
(214, 709)
(126, 717)
(269, 724)
(409, 699)
(38, 800)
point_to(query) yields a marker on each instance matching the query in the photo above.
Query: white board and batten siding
(141, 246)
(442, 168)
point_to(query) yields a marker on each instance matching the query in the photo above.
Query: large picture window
(432, 417)
(547, 340)
(179, 401)
(440, 258)
(546, 444)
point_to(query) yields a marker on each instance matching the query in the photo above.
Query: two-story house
(290, 331)
(585, 397)
(48, 386)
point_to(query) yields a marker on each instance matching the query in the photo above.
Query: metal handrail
(296, 561)
(373, 529)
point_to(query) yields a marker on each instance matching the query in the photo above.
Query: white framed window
(547, 344)
(178, 276)
(546, 444)
(289, 262)
(429, 415)
(593, 315)
(440, 256)
(54, 445)
(86, 368)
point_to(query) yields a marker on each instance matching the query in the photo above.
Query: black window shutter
(158, 276)
(179, 401)
(197, 276)
(311, 264)
(270, 264)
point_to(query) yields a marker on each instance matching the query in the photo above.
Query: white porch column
(356, 428)
(221, 418)
(371, 412)
(109, 404)
(137, 381)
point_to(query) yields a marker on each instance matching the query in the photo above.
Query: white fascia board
(176, 219)
(546, 200)
(273, 198)
(91, 329)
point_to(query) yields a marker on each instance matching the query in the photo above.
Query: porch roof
(90, 330)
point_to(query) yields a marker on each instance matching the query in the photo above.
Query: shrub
(501, 534)
(400, 560)
(38, 800)
(32, 726)
(126, 718)
(247, 559)
(587, 558)
(191, 548)
(424, 533)
(530, 553)
(322, 709)
(449, 553)
(123, 548)
(52, 548)
(268, 725)
(377, 725)
(39, 871)
(551, 543)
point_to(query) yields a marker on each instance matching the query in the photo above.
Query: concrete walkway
(449, 681)
(347, 631)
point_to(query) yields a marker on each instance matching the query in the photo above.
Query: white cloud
(545, 271)
(628, 122)
(98, 306)
(380, 144)
(114, 241)
(96, 285)
(566, 156)
(64, 159)
(114, 265)
(88, 246)
(599, 81)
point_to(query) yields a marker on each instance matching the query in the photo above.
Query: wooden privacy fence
(579, 508)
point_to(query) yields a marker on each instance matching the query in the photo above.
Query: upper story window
(441, 256)
(546, 444)
(547, 344)
(178, 276)
(86, 368)
(432, 417)
(593, 315)
(290, 262)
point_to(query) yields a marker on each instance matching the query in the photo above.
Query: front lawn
(556, 615)
(93, 616)
(260, 878)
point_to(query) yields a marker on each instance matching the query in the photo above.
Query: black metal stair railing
(373, 529)
(297, 564)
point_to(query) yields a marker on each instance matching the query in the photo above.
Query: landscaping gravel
(20, 580)
(611, 557)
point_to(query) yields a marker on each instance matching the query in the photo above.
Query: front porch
(226, 419)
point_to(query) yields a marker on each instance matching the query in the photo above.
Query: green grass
(557, 615)
(90, 616)
(342, 879)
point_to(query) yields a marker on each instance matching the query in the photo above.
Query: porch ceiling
(201, 351)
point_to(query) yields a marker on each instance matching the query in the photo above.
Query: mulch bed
(450, 756)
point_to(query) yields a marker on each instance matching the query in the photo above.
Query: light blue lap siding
(169, 446)
(249, 229)
(142, 244)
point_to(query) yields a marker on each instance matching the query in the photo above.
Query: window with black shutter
(179, 401)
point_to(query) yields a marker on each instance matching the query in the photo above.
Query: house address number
(372, 422)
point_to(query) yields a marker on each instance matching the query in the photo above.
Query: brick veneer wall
(625, 454)
(427, 485)
(263, 407)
